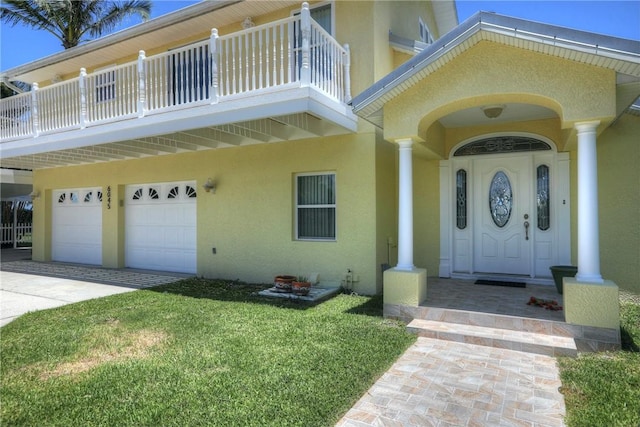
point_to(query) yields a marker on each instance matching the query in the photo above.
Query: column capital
(588, 126)
(404, 142)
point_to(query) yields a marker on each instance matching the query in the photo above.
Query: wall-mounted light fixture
(35, 194)
(493, 111)
(209, 186)
(248, 23)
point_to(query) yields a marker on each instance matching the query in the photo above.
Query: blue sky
(20, 45)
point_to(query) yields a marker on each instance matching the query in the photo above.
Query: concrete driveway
(27, 285)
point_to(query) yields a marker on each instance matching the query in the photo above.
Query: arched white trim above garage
(160, 226)
(76, 229)
(539, 247)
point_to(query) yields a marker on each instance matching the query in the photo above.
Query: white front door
(504, 214)
(502, 202)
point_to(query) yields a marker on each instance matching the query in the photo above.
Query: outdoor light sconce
(248, 23)
(493, 111)
(209, 186)
(34, 195)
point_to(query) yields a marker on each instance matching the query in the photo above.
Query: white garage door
(160, 226)
(76, 234)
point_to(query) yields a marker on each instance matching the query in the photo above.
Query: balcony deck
(285, 80)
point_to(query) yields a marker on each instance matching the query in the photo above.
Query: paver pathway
(443, 383)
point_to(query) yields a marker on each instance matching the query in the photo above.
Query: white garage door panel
(161, 226)
(77, 226)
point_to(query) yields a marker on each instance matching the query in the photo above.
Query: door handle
(526, 230)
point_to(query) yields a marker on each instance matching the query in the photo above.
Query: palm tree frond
(71, 20)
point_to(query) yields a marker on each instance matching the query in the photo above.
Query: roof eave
(115, 38)
(372, 99)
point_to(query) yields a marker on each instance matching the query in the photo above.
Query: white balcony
(284, 80)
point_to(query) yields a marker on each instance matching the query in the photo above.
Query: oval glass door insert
(500, 199)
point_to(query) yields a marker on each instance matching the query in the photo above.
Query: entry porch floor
(499, 316)
(465, 295)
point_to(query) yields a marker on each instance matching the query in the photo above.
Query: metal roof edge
(485, 21)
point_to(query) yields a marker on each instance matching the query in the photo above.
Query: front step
(530, 342)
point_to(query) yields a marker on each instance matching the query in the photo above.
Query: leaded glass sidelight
(461, 199)
(500, 199)
(542, 197)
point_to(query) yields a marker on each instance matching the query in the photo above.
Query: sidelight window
(542, 197)
(461, 199)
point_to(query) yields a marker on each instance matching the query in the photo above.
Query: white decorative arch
(473, 139)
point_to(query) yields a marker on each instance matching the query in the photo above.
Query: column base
(591, 304)
(405, 287)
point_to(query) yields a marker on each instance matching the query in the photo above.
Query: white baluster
(282, 63)
(246, 62)
(35, 119)
(213, 49)
(83, 98)
(233, 66)
(253, 60)
(260, 81)
(142, 95)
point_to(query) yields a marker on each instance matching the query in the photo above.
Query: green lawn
(603, 389)
(198, 352)
(204, 352)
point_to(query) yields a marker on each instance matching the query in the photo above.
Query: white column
(405, 206)
(588, 238)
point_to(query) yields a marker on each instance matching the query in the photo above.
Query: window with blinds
(316, 206)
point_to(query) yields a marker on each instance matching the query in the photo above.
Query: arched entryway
(505, 208)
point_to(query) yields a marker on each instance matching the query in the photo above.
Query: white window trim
(425, 33)
(322, 4)
(334, 206)
(107, 84)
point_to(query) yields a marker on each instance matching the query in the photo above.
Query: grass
(603, 389)
(197, 352)
(203, 352)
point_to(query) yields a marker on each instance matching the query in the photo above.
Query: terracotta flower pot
(301, 288)
(283, 282)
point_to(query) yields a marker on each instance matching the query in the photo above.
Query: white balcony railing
(292, 52)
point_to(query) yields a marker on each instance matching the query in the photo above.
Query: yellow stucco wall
(426, 219)
(619, 202)
(491, 73)
(250, 217)
(386, 205)
(591, 304)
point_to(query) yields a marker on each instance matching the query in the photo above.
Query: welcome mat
(501, 283)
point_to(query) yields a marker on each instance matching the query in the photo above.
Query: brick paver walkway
(120, 277)
(443, 383)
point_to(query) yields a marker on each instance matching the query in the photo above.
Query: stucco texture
(490, 73)
(619, 202)
(249, 220)
(591, 304)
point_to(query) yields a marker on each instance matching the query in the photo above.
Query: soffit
(171, 29)
(446, 16)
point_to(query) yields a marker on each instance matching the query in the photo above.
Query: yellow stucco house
(250, 139)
